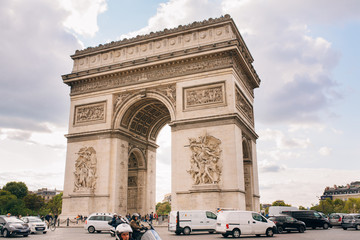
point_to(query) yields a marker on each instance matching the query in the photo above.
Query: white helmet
(123, 227)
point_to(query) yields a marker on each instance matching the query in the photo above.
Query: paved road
(81, 234)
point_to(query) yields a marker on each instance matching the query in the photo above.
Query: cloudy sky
(306, 110)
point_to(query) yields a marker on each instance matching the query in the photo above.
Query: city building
(351, 190)
(47, 194)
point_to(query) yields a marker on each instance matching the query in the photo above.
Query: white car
(35, 224)
(238, 223)
(98, 222)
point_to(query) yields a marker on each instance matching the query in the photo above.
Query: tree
(5, 198)
(55, 204)
(163, 208)
(34, 202)
(352, 205)
(19, 189)
(280, 203)
(302, 208)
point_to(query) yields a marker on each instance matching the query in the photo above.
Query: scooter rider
(136, 226)
(123, 232)
(115, 221)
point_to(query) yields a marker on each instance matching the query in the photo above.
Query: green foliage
(28, 204)
(327, 206)
(302, 208)
(280, 203)
(55, 204)
(163, 208)
(19, 189)
(34, 202)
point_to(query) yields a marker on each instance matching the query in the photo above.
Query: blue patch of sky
(121, 17)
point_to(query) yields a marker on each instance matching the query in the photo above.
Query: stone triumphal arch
(197, 78)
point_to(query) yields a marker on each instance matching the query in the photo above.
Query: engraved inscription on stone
(85, 170)
(244, 106)
(90, 113)
(213, 94)
(205, 166)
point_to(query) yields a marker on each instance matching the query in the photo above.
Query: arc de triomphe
(197, 78)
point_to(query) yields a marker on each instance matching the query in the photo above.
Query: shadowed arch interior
(146, 118)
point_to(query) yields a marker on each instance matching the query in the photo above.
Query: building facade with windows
(351, 190)
(47, 194)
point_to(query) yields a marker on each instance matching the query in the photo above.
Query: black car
(11, 226)
(311, 218)
(351, 221)
(287, 223)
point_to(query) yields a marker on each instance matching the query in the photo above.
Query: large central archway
(199, 80)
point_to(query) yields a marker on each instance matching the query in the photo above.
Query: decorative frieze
(211, 95)
(157, 72)
(90, 113)
(243, 105)
(85, 170)
(205, 160)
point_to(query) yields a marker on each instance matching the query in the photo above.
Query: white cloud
(282, 141)
(325, 151)
(178, 12)
(83, 15)
(301, 186)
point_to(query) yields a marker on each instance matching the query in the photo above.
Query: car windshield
(13, 220)
(35, 220)
(348, 217)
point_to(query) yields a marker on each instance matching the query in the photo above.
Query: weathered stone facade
(199, 79)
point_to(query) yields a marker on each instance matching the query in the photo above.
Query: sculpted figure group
(85, 169)
(205, 166)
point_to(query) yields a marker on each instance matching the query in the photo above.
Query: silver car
(11, 226)
(336, 218)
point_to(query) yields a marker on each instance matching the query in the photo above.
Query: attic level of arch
(230, 58)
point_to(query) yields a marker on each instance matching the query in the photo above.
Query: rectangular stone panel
(204, 96)
(90, 113)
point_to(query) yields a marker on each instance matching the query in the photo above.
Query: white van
(238, 223)
(277, 210)
(186, 221)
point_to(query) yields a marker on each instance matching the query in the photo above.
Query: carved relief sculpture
(90, 113)
(85, 170)
(205, 166)
(204, 95)
(170, 92)
(243, 105)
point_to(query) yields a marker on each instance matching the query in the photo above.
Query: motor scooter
(112, 229)
(147, 234)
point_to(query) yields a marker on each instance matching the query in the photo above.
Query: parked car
(351, 221)
(336, 218)
(238, 223)
(98, 222)
(188, 221)
(311, 218)
(36, 225)
(11, 226)
(287, 223)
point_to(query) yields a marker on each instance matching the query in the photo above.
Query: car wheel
(44, 232)
(236, 233)
(98, 231)
(187, 231)
(26, 235)
(357, 227)
(211, 232)
(313, 227)
(344, 228)
(5, 233)
(225, 235)
(326, 226)
(269, 232)
(91, 229)
(280, 229)
(301, 229)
